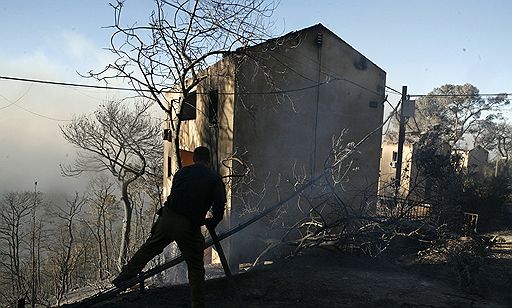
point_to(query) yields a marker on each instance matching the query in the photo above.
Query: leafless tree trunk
(14, 231)
(120, 141)
(66, 259)
(103, 204)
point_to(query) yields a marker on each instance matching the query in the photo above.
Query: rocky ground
(321, 278)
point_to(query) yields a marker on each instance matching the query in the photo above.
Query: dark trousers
(170, 227)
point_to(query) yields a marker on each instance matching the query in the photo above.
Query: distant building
(388, 162)
(413, 184)
(278, 109)
(478, 158)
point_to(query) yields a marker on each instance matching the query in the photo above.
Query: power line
(461, 95)
(335, 78)
(451, 95)
(14, 103)
(170, 91)
(69, 84)
(59, 83)
(41, 115)
(393, 112)
(396, 91)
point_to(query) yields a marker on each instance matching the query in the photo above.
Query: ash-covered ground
(324, 278)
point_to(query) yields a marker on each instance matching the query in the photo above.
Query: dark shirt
(194, 190)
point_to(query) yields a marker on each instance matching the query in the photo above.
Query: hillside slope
(323, 278)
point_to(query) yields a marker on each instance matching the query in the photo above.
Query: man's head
(201, 156)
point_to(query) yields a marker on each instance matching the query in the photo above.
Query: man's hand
(210, 223)
(160, 211)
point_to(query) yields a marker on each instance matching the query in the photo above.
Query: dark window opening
(213, 106)
(188, 108)
(395, 156)
(186, 160)
(169, 168)
(167, 134)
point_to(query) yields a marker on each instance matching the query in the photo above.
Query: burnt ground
(322, 278)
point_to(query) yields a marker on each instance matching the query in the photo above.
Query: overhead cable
(69, 84)
(396, 91)
(460, 95)
(170, 91)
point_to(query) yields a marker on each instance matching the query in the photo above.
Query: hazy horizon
(419, 44)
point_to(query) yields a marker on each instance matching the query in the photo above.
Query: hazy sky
(421, 44)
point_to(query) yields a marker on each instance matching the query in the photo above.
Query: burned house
(270, 113)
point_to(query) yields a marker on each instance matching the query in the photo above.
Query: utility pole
(401, 140)
(34, 281)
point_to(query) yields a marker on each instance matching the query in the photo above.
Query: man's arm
(176, 180)
(219, 203)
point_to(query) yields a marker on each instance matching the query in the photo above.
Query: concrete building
(388, 162)
(478, 158)
(274, 109)
(413, 185)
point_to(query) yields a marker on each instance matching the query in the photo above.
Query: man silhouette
(195, 189)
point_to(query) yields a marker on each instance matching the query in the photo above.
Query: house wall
(283, 105)
(289, 134)
(388, 169)
(462, 155)
(477, 160)
(200, 132)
